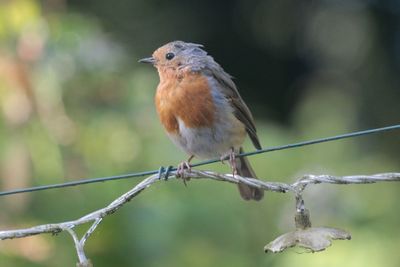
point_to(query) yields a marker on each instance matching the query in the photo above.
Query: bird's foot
(232, 160)
(182, 168)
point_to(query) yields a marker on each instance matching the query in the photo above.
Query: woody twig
(96, 217)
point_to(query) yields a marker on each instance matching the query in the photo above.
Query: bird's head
(178, 55)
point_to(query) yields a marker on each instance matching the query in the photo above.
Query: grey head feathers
(193, 55)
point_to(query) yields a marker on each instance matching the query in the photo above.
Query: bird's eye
(169, 56)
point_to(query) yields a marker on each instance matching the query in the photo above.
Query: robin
(201, 109)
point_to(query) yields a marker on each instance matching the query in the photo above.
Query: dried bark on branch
(297, 188)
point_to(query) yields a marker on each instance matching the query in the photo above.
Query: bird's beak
(148, 60)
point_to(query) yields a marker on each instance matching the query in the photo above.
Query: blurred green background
(74, 103)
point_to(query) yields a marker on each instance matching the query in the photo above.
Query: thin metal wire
(159, 171)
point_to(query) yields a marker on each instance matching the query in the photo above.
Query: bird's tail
(244, 169)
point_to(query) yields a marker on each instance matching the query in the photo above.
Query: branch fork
(314, 239)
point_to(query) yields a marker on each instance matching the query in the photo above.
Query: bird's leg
(180, 170)
(232, 160)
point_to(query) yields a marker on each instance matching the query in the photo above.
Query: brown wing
(241, 111)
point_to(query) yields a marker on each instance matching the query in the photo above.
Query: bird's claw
(180, 171)
(231, 156)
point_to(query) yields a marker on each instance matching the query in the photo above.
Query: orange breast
(186, 97)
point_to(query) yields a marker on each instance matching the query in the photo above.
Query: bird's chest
(188, 99)
(197, 118)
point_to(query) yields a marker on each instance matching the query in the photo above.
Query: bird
(201, 109)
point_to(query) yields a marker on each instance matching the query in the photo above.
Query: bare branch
(90, 231)
(96, 217)
(83, 261)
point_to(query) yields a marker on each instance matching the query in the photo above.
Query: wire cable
(146, 173)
